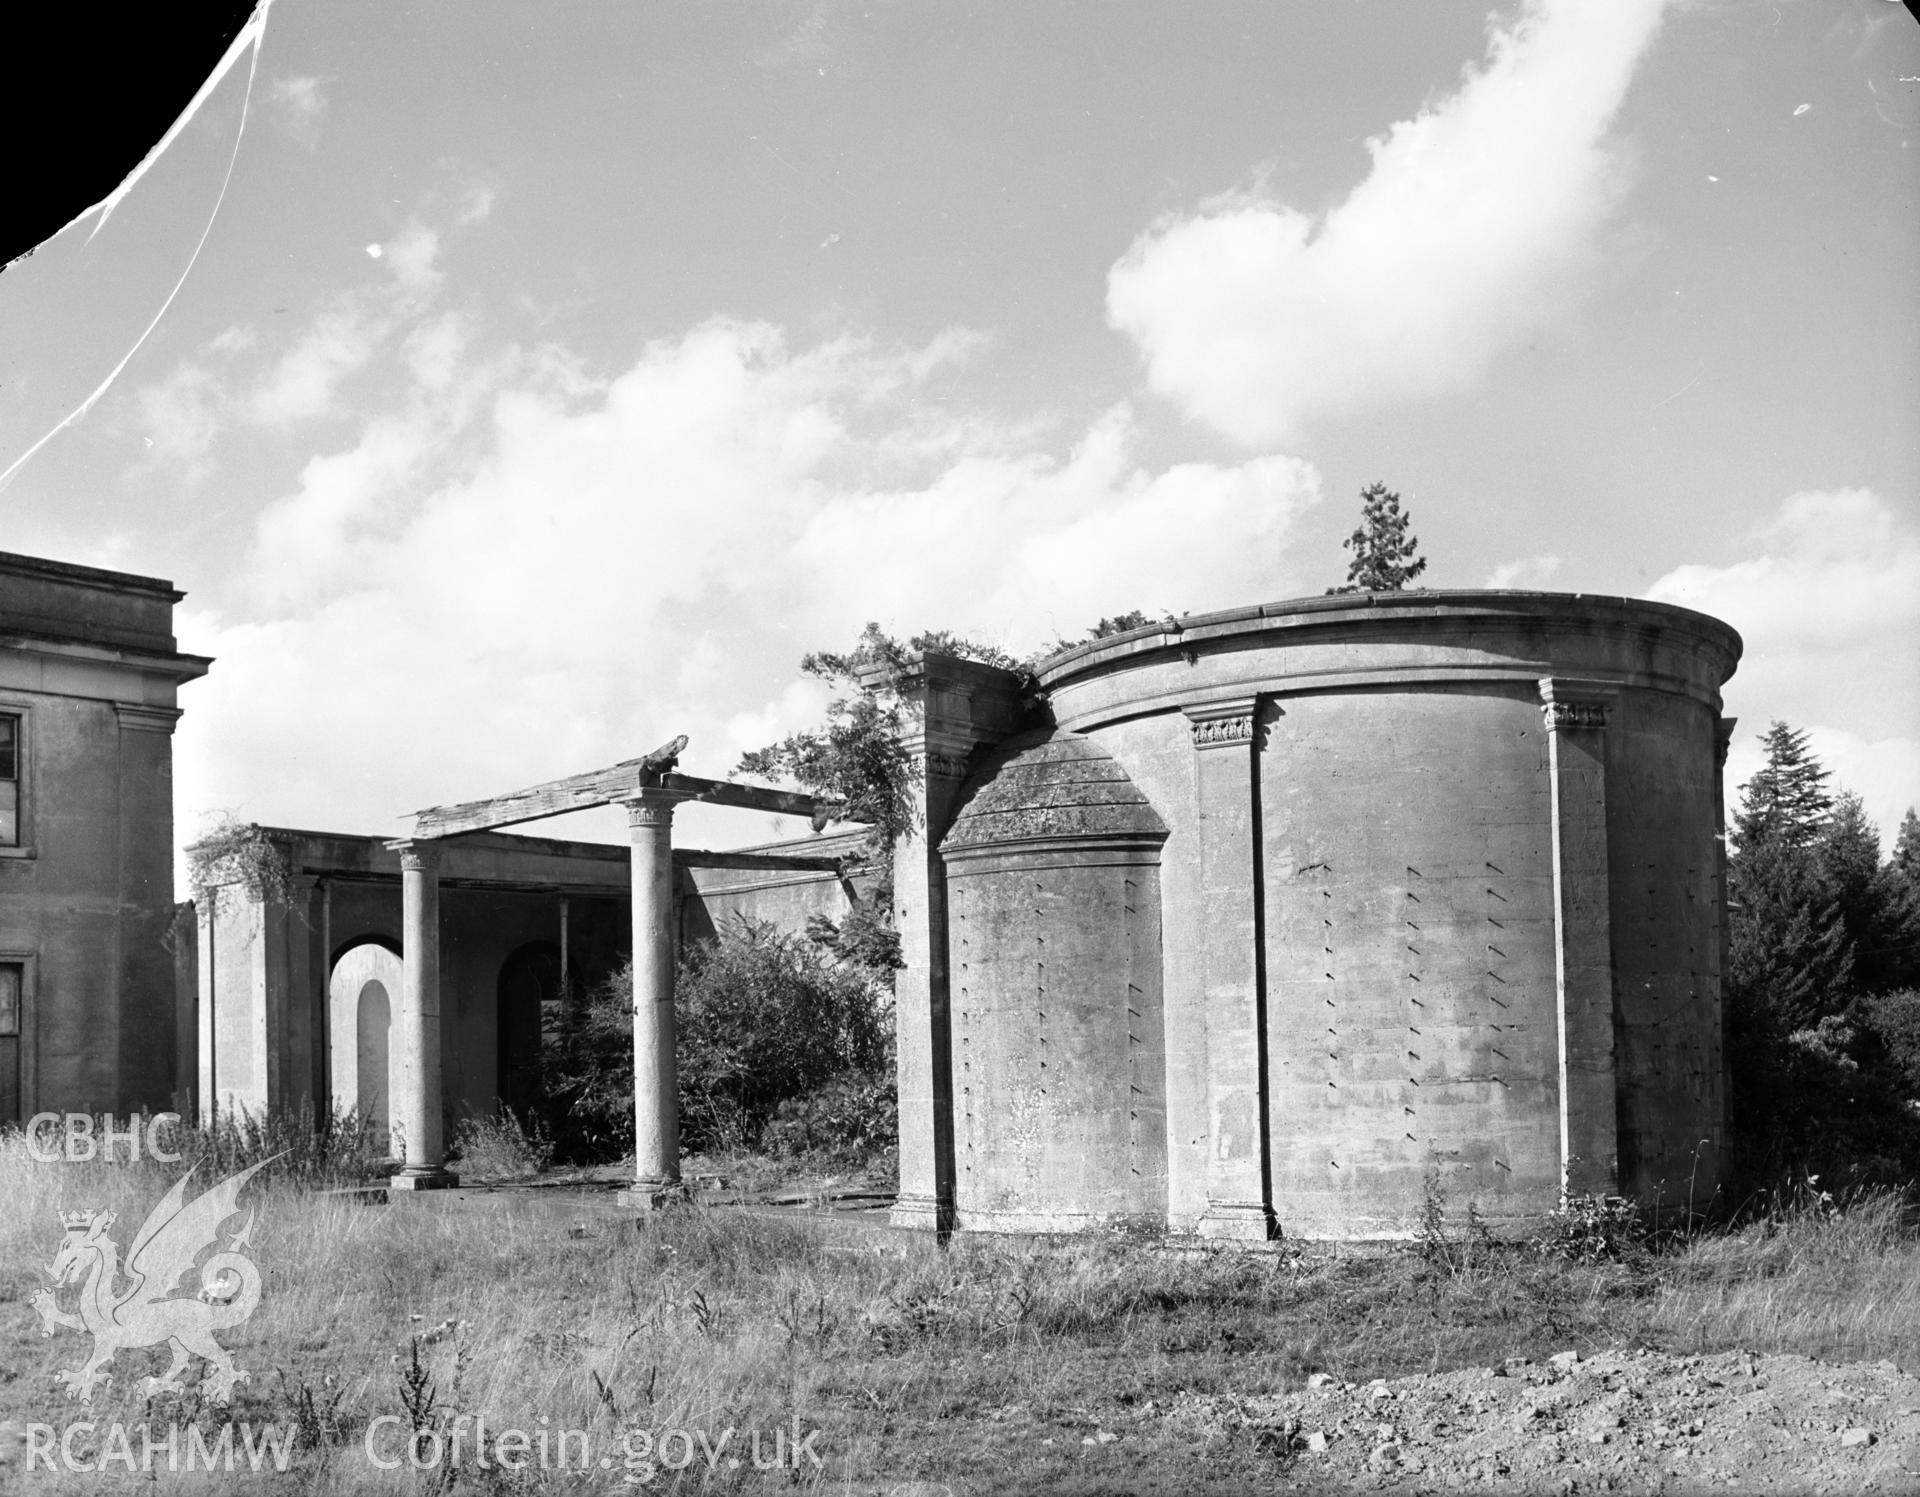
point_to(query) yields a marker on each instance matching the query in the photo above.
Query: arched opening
(529, 1011)
(360, 1000)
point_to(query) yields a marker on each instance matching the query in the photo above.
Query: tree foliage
(1824, 935)
(855, 757)
(1385, 556)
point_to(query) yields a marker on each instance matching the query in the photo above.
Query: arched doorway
(361, 995)
(529, 1018)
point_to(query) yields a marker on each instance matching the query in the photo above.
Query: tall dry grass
(915, 1362)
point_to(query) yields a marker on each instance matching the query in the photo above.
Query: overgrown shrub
(852, 1118)
(1828, 1101)
(764, 1018)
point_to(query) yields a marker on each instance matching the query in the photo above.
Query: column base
(654, 1195)
(921, 1214)
(424, 1178)
(1239, 1221)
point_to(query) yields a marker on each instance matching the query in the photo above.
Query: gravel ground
(1615, 1422)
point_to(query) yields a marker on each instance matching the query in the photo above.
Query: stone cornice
(141, 718)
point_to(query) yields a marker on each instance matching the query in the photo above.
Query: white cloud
(181, 414)
(301, 104)
(303, 381)
(1527, 572)
(1470, 230)
(1828, 604)
(652, 554)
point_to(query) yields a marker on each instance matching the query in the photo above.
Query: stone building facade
(1271, 917)
(89, 676)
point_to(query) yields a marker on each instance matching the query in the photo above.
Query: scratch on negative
(250, 36)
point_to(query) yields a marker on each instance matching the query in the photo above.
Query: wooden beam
(580, 792)
(769, 862)
(601, 787)
(752, 797)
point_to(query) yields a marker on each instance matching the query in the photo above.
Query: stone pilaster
(951, 708)
(656, 1083)
(1723, 740)
(1227, 792)
(298, 1004)
(1576, 713)
(416, 1107)
(206, 1010)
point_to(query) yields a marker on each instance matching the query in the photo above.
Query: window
(9, 779)
(12, 986)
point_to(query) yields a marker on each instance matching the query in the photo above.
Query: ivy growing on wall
(238, 853)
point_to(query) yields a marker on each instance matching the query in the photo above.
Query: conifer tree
(1787, 798)
(1384, 555)
(1906, 850)
(1792, 959)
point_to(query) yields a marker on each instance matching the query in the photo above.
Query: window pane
(9, 747)
(9, 999)
(9, 814)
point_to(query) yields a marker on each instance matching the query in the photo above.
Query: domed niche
(1053, 878)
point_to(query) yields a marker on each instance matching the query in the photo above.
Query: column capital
(652, 805)
(939, 763)
(1576, 702)
(417, 854)
(1229, 724)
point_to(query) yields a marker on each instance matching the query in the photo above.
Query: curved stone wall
(1441, 899)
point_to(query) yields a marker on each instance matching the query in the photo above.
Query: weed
(313, 1413)
(1594, 1229)
(417, 1396)
(705, 1316)
(498, 1146)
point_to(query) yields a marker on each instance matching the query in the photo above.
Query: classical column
(1576, 720)
(656, 1085)
(1227, 789)
(415, 1107)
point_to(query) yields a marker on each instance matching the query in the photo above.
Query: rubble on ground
(1618, 1421)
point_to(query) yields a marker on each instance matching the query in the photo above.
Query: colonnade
(416, 1108)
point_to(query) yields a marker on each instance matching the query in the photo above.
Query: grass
(985, 1364)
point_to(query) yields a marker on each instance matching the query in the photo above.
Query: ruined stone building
(1251, 923)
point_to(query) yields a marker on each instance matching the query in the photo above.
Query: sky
(551, 378)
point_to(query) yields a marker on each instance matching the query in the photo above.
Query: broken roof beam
(601, 787)
(580, 792)
(754, 797)
(760, 862)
